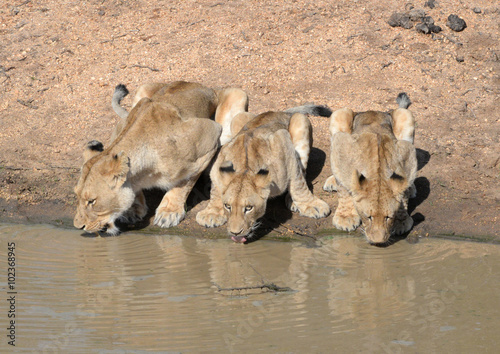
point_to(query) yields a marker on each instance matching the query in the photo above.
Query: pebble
(456, 23)
(427, 26)
(431, 4)
(416, 14)
(422, 28)
(399, 19)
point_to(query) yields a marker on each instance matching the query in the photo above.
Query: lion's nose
(236, 233)
(78, 225)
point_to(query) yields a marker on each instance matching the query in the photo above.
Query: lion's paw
(402, 226)
(315, 209)
(348, 222)
(413, 191)
(165, 218)
(209, 218)
(291, 204)
(330, 184)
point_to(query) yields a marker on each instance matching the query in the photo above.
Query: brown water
(136, 293)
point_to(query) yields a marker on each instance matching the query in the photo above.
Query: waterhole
(135, 293)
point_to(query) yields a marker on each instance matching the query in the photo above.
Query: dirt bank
(60, 61)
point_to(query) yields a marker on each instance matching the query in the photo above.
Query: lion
(163, 142)
(374, 166)
(267, 157)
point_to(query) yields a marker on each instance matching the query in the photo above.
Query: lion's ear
(116, 169)
(404, 168)
(407, 154)
(239, 122)
(93, 148)
(360, 179)
(226, 167)
(398, 183)
(226, 172)
(262, 177)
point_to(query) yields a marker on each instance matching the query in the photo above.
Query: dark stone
(430, 4)
(456, 23)
(460, 59)
(395, 19)
(399, 19)
(435, 29)
(429, 21)
(422, 28)
(476, 10)
(406, 21)
(416, 14)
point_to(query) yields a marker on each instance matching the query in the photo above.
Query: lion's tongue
(239, 239)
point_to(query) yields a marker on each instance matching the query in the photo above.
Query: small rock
(416, 14)
(406, 22)
(422, 28)
(456, 23)
(101, 12)
(476, 10)
(429, 21)
(460, 58)
(395, 19)
(399, 19)
(435, 29)
(430, 4)
(427, 26)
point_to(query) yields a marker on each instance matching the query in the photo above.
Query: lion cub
(164, 143)
(265, 159)
(374, 165)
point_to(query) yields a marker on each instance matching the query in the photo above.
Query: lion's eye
(248, 208)
(90, 202)
(227, 206)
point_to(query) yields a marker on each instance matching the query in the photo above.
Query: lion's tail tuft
(312, 109)
(120, 92)
(403, 100)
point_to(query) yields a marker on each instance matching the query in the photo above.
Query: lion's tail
(120, 92)
(312, 109)
(403, 100)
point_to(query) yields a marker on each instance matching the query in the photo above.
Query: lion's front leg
(137, 211)
(403, 222)
(301, 198)
(346, 217)
(213, 215)
(300, 130)
(171, 210)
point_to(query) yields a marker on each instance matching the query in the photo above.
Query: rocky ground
(60, 61)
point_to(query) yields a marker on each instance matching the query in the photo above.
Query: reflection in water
(138, 292)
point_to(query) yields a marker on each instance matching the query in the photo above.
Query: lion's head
(103, 193)
(377, 173)
(245, 185)
(378, 202)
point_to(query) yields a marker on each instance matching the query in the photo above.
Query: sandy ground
(60, 61)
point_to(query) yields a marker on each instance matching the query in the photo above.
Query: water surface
(136, 293)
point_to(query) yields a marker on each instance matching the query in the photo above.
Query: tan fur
(261, 162)
(374, 165)
(162, 143)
